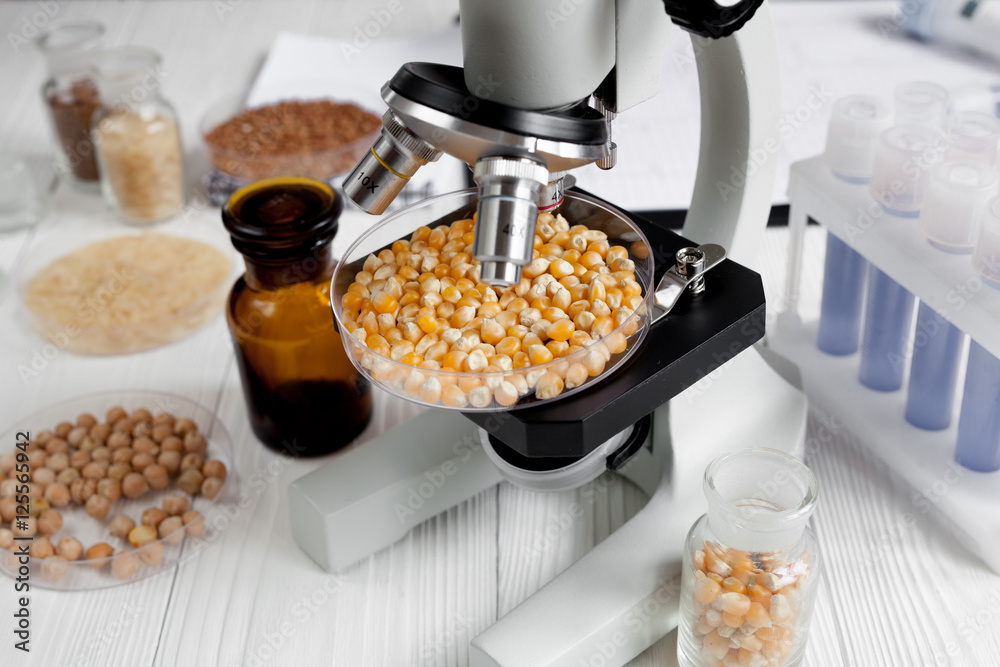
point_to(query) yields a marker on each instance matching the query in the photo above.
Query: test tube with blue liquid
(937, 348)
(978, 446)
(856, 123)
(885, 342)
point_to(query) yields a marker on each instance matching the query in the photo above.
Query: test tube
(921, 103)
(957, 193)
(844, 276)
(903, 159)
(978, 446)
(986, 256)
(973, 135)
(856, 121)
(937, 348)
(888, 320)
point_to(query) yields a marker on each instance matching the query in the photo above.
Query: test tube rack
(967, 502)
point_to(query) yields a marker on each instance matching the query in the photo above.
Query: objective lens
(505, 218)
(387, 167)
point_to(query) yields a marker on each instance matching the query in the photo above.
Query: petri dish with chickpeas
(111, 488)
(418, 322)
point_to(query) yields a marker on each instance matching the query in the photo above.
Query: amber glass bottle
(304, 396)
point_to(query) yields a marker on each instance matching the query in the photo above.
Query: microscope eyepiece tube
(509, 188)
(387, 167)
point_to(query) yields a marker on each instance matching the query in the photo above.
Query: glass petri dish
(154, 557)
(494, 390)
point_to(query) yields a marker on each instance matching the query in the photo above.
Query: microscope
(541, 86)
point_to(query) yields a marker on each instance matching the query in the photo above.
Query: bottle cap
(855, 125)
(986, 258)
(973, 135)
(921, 103)
(903, 159)
(958, 191)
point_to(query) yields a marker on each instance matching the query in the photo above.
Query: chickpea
(171, 530)
(123, 425)
(175, 504)
(141, 460)
(151, 554)
(8, 488)
(195, 443)
(50, 521)
(43, 476)
(6, 539)
(37, 506)
(57, 446)
(190, 481)
(76, 436)
(86, 420)
(164, 418)
(184, 426)
(143, 445)
(141, 415)
(57, 494)
(42, 438)
(114, 414)
(134, 485)
(196, 461)
(118, 471)
(110, 488)
(171, 461)
(99, 554)
(54, 568)
(153, 517)
(172, 444)
(125, 565)
(82, 489)
(118, 439)
(157, 476)
(101, 454)
(121, 526)
(211, 486)
(121, 455)
(62, 429)
(100, 432)
(96, 470)
(142, 430)
(161, 432)
(38, 458)
(98, 506)
(79, 459)
(142, 535)
(194, 523)
(68, 476)
(41, 547)
(69, 548)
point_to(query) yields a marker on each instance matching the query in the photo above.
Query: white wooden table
(897, 590)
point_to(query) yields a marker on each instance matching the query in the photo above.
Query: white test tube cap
(957, 193)
(986, 257)
(921, 103)
(904, 156)
(973, 135)
(856, 122)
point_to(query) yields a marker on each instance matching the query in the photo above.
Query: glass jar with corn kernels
(751, 566)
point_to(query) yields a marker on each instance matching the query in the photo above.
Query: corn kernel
(481, 397)
(560, 330)
(454, 360)
(558, 348)
(492, 332)
(594, 362)
(539, 354)
(576, 375)
(549, 385)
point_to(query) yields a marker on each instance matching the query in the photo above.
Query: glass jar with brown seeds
(120, 526)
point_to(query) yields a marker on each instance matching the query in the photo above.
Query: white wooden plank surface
(891, 596)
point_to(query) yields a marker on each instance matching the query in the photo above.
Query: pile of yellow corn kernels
(745, 611)
(420, 304)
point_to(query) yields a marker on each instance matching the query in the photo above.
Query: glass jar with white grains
(750, 564)
(137, 138)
